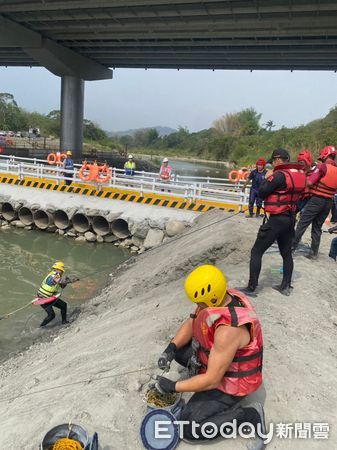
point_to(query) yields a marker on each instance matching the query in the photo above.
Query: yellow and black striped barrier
(168, 201)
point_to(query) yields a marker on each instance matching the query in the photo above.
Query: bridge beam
(72, 106)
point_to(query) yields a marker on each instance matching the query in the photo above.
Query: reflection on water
(26, 258)
(198, 169)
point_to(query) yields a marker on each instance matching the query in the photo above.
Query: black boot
(284, 289)
(258, 212)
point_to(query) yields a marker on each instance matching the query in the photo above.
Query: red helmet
(325, 152)
(260, 162)
(306, 156)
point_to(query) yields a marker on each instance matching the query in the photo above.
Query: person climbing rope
(221, 345)
(49, 288)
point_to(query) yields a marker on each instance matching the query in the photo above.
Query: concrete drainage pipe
(120, 228)
(43, 219)
(62, 219)
(81, 223)
(101, 226)
(8, 211)
(26, 216)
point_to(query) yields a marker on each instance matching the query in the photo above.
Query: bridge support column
(72, 105)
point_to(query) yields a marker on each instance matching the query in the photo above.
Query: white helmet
(130, 157)
(165, 160)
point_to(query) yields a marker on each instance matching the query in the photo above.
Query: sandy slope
(128, 325)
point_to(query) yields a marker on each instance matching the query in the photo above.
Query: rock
(14, 222)
(90, 237)
(158, 223)
(139, 229)
(51, 229)
(127, 242)
(134, 248)
(137, 241)
(71, 234)
(19, 224)
(92, 212)
(141, 250)
(110, 238)
(28, 227)
(174, 227)
(80, 239)
(100, 239)
(112, 216)
(5, 227)
(153, 238)
(61, 232)
(35, 206)
(50, 208)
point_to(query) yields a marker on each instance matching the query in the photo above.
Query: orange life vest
(244, 375)
(285, 199)
(327, 186)
(165, 172)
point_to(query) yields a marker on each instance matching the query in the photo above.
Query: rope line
(74, 383)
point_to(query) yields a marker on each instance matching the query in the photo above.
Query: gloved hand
(165, 386)
(165, 359)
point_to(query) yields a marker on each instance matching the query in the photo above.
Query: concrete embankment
(114, 344)
(130, 225)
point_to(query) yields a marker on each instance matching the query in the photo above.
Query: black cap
(279, 153)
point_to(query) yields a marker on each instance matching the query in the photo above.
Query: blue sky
(137, 98)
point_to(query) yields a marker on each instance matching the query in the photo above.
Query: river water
(26, 258)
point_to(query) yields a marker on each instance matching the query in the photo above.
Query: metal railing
(209, 189)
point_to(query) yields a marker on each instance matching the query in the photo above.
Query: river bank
(94, 372)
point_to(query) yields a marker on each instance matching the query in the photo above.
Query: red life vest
(327, 186)
(244, 375)
(165, 172)
(284, 200)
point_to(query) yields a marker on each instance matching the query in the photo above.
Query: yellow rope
(66, 444)
(158, 400)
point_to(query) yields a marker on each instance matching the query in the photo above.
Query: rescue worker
(280, 190)
(68, 165)
(130, 166)
(256, 176)
(165, 171)
(50, 286)
(322, 182)
(305, 159)
(221, 345)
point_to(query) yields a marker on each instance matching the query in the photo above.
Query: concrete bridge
(82, 39)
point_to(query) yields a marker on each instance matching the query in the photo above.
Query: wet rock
(61, 232)
(90, 237)
(100, 239)
(19, 224)
(71, 234)
(153, 238)
(134, 248)
(174, 227)
(110, 238)
(80, 239)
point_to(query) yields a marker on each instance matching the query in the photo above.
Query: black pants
(68, 175)
(50, 312)
(278, 228)
(315, 213)
(333, 211)
(210, 406)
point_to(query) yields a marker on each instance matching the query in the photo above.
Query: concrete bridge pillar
(72, 105)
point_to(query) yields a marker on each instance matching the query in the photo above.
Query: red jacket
(285, 199)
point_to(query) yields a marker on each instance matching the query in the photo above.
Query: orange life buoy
(234, 176)
(103, 174)
(85, 168)
(245, 176)
(93, 171)
(51, 158)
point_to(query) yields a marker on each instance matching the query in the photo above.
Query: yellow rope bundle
(158, 400)
(66, 444)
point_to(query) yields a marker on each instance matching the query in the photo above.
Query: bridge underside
(210, 34)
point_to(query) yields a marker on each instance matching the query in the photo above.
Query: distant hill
(162, 131)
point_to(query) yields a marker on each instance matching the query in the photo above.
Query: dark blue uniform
(256, 178)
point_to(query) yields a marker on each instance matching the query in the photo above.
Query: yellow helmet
(58, 265)
(69, 153)
(206, 284)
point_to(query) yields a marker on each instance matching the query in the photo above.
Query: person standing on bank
(322, 182)
(130, 166)
(256, 176)
(280, 190)
(68, 165)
